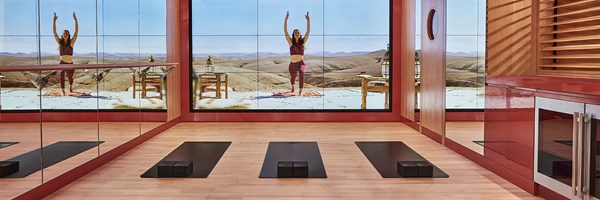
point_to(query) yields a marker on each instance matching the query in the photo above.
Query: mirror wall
(417, 59)
(465, 72)
(50, 132)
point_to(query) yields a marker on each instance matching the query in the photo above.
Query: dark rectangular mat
(7, 144)
(293, 151)
(565, 142)
(479, 142)
(384, 156)
(204, 155)
(31, 162)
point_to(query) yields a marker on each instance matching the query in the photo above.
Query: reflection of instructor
(297, 65)
(65, 48)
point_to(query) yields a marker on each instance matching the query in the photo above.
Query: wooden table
(152, 79)
(382, 85)
(216, 79)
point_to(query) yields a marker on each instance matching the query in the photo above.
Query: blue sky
(222, 25)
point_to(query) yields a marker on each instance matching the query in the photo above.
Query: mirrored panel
(465, 73)
(153, 98)
(20, 131)
(69, 139)
(79, 109)
(418, 44)
(119, 111)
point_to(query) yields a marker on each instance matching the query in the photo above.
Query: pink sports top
(294, 50)
(67, 51)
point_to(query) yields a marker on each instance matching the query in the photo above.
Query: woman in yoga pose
(297, 43)
(65, 48)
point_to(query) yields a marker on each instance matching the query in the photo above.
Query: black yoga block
(165, 168)
(425, 169)
(562, 168)
(407, 169)
(300, 169)
(8, 167)
(285, 169)
(183, 168)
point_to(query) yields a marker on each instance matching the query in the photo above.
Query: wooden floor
(464, 133)
(29, 137)
(350, 175)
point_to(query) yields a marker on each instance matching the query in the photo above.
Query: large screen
(290, 55)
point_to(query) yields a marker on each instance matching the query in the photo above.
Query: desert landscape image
(253, 81)
(114, 91)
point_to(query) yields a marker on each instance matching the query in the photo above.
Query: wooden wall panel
(511, 38)
(173, 79)
(433, 70)
(408, 59)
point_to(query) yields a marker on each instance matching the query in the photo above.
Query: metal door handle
(580, 154)
(574, 152)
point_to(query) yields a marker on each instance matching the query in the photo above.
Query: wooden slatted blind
(569, 36)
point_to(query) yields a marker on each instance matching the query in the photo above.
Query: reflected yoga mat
(293, 151)
(204, 155)
(7, 144)
(479, 142)
(30, 162)
(384, 156)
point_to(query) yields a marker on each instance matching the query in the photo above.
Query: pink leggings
(69, 74)
(295, 69)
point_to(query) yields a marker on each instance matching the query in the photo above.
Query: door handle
(574, 153)
(580, 158)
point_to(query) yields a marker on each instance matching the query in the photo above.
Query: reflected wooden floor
(464, 133)
(28, 136)
(350, 175)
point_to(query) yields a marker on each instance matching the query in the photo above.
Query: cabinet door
(593, 150)
(555, 126)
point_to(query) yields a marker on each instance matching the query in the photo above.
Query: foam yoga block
(407, 169)
(183, 168)
(300, 169)
(8, 168)
(425, 169)
(165, 168)
(285, 169)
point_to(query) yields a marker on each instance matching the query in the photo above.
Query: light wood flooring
(350, 175)
(30, 138)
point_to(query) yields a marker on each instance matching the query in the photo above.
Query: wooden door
(433, 69)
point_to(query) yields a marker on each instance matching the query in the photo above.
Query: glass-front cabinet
(566, 147)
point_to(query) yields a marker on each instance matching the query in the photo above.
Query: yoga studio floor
(350, 175)
(28, 135)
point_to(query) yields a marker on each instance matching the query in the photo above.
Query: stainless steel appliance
(567, 156)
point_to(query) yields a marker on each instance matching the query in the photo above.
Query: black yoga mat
(7, 144)
(384, 156)
(30, 162)
(293, 151)
(204, 156)
(479, 142)
(565, 142)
